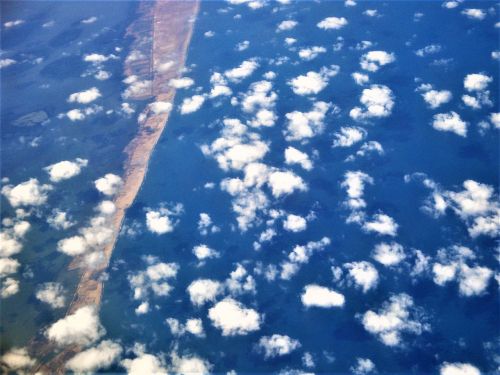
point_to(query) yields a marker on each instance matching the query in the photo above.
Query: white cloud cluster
(204, 290)
(260, 100)
(219, 86)
(192, 104)
(160, 107)
(285, 182)
(245, 69)
(294, 223)
(428, 50)
(360, 78)
(189, 365)
(363, 274)
(300, 255)
(398, 315)
(160, 221)
(389, 254)
(332, 23)
(95, 358)
(79, 328)
(81, 114)
(52, 294)
(233, 318)
(363, 366)
(18, 359)
(203, 252)
(381, 224)
(27, 193)
(240, 282)
(304, 125)
(136, 88)
(144, 363)
(320, 296)
(109, 185)
(294, 156)
(85, 97)
(65, 169)
(377, 101)
(434, 98)
(370, 147)
(348, 135)
(277, 345)
(313, 82)
(205, 224)
(181, 83)
(13, 23)
(374, 60)
(6, 62)
(287, 25)
(354, 183)
(311, 53)
(477, 84)
(97, 58)
(458, 368)
(474, 13)
(193, 326)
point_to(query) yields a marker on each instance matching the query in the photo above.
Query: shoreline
(169, 25)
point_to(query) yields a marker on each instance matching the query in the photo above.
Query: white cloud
(428, 50)
(239, 73)
(377, 100)
(242, 46)
(160, 107)
(154, 278)
(203, 252)
(313, 82)
(240, 282)
(9, 287)
(450, 4)
(81, 114)
(144, 364)
(181, 83)
(285, 182)
(13, 23)
(374, 60)
(495, 119)
(190, 365)
(474, 13)
(381, 224)
(349, 135)
(360, 78)
(388, 254)
(354, 182)
(303, 125)
(233, 318)
(364, 274)
(219, 86)
(8, 266)
(294, 223)
(277, 345)
(435, 98)
(397, 316)
(192, 104)
(458, 368)
(260, 99)
(319, 296)
(65, 169)
(205, 224)
(79, 328)
(332, 23)
(52, 294)
(450, 122)
(363, 366)
(311, 53)
(477, 82)
(89, 20)
(96, 58)
(6, 62)
(287, 25)
(85, 97)
(18, 359)
(204, 290)
(109, 185)
(28, 193)
(300, 255)
(294, 156)
(371, 12)
(99, 357)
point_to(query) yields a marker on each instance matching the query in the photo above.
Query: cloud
(109, 185)
(286, 25)
(294, 223)
(381, 224)
(89, 20)
(371, 13)
(160, 221)
(242, 46)
(203, 252)
(81, 114)
(313, 82)
(428, 50)
(204, 290)
(18, 359)
(13, 23)
(364, 274)
(363, 366)
(144, 364)
(192, 104)
(85, 97)
(319, 296)
(79, 328)
(311, 53)
(388, 254)
(28, 193)
(397, 316)
(277, 345)
(181, 83)
(294, 156)
(303, 125)
(354, 182)
(285, 182)
(377, 100)
(374, 60)
(96, 58)
(474, 13)
(300, 255)
(245, 69)
(233, 318)
(205, 224)
(240, 282)
(153, 279)
(476, 82)
(8, 266)
(450, 122)
(219, 86)
(360, 78)
(52, 294)
(260, 99)
(160, 107)
(6, 62)
(190, 365)
(192, 326)
(65, 169)
(435, 98)
(99, 357)
(458, 369)
(332, 23)
(348, 136)
(9, 287)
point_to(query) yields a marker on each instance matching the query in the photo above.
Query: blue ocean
(331, 207)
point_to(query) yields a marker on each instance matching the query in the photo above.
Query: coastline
(169, 27)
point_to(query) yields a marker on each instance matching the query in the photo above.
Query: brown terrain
(161, 33)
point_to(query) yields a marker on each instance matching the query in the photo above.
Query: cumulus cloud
(8, 266)
(243, 71)
(6, 62)
(388, 254)
(85, 97)
(381, 224)
(205, 224)
(285, 182)
(203, 252)
(363, 274)
(349, 135)
(96, 58)
(294, 156)
(109, 185)
(450, 122)
(277, 345)
(52, 294)
(313, 82)
(435, 98)
(160, 221)
(240, 282)
(154, 279)
(18, 359)
(65, 169)
(192, 326)
(9, 287)
(476, 82)
(474, 13)
(219, 86)
(190, 365)
(458, 368)
(144, 364)
(354, 182)
(304, 125)
(360, 78)
(13, 23)
(79, 328)
(294, 223)
(397, 316)
(81, 114)
(428, 50)
(374, 60)
(319, 296)
(260, 100)
(311, 53)
(332, 23)
(300, 255)
(204, 290)
(286, 25)
(160, 107)
(377, 100)
(99, 357)
(181, 83)
(28, 193)
(363, 366)
(233, 318)
(192, 104)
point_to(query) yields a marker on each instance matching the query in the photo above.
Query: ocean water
(460, 328)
